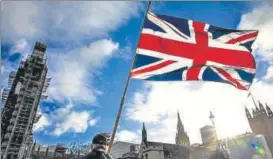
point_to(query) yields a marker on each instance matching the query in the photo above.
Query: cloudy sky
(90, 49)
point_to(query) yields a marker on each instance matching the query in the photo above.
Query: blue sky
(89, 51)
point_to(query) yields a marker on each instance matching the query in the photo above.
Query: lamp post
(212, 118)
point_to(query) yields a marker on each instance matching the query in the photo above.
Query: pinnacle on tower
(269, 111)
(257, 110)
(254, 112)
(262, 110)
(248, 115)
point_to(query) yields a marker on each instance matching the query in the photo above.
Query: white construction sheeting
(18, 88)
(43, 96)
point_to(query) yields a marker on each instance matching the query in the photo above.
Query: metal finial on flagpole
(125, 90)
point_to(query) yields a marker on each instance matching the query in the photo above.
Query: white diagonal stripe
(218, 44)
(185, 61)
(169, 68)
(161, 24)
(201, 72)
(245, 41)
(233, 74)
(216, 64)
(168, 28)
(149, 65)
(166, 36)
(233, 35)
(184, 75)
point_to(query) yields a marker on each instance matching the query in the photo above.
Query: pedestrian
(99, 147)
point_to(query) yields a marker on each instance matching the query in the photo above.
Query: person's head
(100, 142)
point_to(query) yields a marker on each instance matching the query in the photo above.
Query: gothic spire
(181, 136)
(144, 134)
(269, 111)
(262, 110)
(248, 115)
(180, 126)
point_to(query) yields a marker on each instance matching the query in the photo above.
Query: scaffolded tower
(21, 102)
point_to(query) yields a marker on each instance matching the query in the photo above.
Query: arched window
(146, 156)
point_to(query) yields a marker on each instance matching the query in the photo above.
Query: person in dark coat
(99, 146)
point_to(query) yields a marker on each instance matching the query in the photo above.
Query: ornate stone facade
(261, 122)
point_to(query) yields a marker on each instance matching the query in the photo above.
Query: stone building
(208, 134)
(121, 149)
(130, 155)
(59, 151)
(261, 122)
(158, 150)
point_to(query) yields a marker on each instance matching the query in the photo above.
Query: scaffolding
(21, 103)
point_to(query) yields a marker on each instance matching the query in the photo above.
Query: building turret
(248, 115)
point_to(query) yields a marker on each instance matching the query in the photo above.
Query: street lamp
(218, 146)
(211, 116)
(212, 119)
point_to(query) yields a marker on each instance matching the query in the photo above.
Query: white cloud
(261, 18)
(263, 91)
(128, 136)
(20, 46)
(41, 124)
(75, 122)
(94, 121)
(67, 120)
(18, 19)
(72, 76)
(269, 74)
(64, 21)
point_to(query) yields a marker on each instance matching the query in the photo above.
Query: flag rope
(125, 90)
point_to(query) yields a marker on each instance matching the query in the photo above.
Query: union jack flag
(172, 49)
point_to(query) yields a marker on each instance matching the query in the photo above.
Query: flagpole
(250, 94)
(125, 90)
